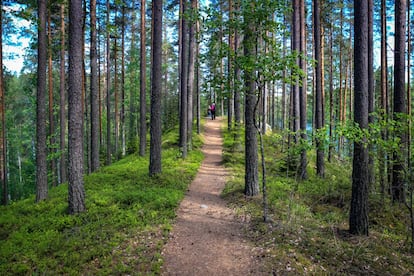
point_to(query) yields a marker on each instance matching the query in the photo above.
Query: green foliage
(308, 232)
(122, 232)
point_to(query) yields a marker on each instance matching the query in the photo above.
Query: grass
(126, 224)
(308, 232)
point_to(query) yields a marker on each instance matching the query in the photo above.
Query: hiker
(213, 111)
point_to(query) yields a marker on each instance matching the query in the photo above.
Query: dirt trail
(206, 238)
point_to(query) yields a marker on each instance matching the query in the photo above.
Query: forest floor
(207, 237)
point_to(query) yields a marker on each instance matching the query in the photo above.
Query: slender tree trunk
(3, 169)
(358, 217)
(400, 106)
(122, 113)
(284, 104)
(41, 149)
(51, 107)
(142, 82)
(251, 157)
(371, 92)
(63, 169)
(108, 86)
(191, 72)
(409, 97)
(197, 77)
(156, 80)
(341, 90)
(94, 91)
(116, 97)
(236, 85)
(295, 115)
(331, 98)
(230, 70)
(320, 154)
(76, 187)
(384, 99)
(132, 134)
(302, 92)
(184, 80)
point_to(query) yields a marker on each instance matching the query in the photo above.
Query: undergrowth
(308, 232)
(128, 217)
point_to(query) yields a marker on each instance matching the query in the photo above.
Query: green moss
(309, 220)
(124, 206)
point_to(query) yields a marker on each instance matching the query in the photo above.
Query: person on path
(213, 111)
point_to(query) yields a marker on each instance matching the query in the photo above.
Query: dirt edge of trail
(207, 238)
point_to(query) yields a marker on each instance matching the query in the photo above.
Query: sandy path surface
(206, 238)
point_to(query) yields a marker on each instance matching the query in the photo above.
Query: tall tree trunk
(108, 86)
(229, 70)
(122, 113)
(191, 72)
(295, 115)
(116, 97)
(319, 112)
(142, 83)
(3, 169)
(400, 106)
(51, 105)
(76, 187)
(284, 73)
(184, 80)
(302, 92)
(409, 94)
(41, 149)
(197, 79)
(371, 92)
(236, 85)
(63, 169)
(94, 91)
(384, 96)
(132, 134)
(331, 97)
(156, 89)
(358, 217)
(251, 158)
(341, 89)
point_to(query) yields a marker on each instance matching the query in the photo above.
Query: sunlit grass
(127, 219)
(308, 232)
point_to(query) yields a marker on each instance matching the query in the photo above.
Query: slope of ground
(207, 238)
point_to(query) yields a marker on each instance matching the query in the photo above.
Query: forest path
(206, 238)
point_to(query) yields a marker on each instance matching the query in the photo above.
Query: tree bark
(251, 187)
(75, 146)
(302, 92)
(183, 85)
(3, 169)
(156, 89)
(41, 149)
(319, 112)
(371, 92)
(400, 106)
(358, 218)
(63, 155)
(384, 96)
(142, 83)
(51, 102)
(94, 92)
(108, 87)
(122, 113)
(191, 72)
